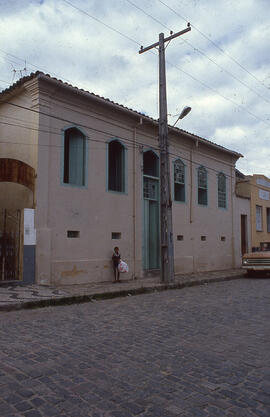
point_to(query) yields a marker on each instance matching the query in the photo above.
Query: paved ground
(199, 351)
(16, 296)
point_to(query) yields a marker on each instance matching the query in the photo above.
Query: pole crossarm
(175, 35)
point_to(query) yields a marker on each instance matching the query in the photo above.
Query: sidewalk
(15, 296)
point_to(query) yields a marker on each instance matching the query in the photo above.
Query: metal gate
(10, 227)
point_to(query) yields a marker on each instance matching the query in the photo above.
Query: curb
(78, 299)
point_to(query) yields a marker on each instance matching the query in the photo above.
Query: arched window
(116, 166)
(179, 180)
(74, 157)
(202, 186)
(222, 197)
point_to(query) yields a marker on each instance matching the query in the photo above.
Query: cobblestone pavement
(15, 296)
(200, 351)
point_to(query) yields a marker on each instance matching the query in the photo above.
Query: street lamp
(183, 114)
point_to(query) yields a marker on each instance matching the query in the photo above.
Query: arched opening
(17, 186)
(116, 166)
(74, 157)
(151, 248)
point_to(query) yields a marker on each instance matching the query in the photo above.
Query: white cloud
(68, 44)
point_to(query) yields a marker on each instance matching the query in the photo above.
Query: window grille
(179, 181)
(222, 190)
(259, 218)
(179, 172)
(202, 186)
(150, 189)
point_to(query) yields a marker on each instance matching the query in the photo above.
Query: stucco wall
(95, 213)
(196, 222)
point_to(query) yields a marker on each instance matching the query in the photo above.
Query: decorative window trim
(259, 220)
(225, 194)
(62, 163)
(125, 173)
(200, 168)
(176, 182)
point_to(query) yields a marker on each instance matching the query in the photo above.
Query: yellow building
(257, 188)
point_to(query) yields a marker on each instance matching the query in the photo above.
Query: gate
(10, 228)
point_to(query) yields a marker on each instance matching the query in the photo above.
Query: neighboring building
(257, 188)
(86, 171)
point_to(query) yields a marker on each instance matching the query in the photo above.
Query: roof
(239, 174)
(47, 77)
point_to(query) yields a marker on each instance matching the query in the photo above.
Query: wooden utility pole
(166, 241)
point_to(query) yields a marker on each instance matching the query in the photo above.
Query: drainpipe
(191, 187)
(232, 203)
(134, 214)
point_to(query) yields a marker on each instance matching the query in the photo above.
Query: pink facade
(97, 186)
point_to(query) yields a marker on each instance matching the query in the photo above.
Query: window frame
(178, 160)
(85, 157)
(219, 175)
(261, 218)
(153, 178)
(124, 170)
(202, 168)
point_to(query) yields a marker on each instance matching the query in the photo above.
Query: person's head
(116, 249)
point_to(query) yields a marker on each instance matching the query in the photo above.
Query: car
(256, 262)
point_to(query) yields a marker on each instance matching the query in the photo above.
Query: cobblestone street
(198, 351)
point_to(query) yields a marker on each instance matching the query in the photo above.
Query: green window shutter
(76, 158)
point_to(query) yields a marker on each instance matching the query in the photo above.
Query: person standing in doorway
(116, 258)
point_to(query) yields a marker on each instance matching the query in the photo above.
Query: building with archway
(79, 174)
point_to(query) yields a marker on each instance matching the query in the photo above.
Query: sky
(221, 68)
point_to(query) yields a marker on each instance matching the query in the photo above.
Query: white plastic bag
(122, 267)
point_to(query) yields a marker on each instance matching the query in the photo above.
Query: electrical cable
(173, 65)
(186, 73)
(201, 52)
(215, 44)
(98, 131)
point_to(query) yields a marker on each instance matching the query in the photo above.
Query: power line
(179, 69)
(201, 52)
(128, 142)
(221, 95)
(215, 44)
(186, 73)
(98, 131)
(100, 21)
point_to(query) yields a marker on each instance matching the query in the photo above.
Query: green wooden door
(151, 225)
(153, 235)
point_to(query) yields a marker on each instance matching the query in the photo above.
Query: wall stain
(73, 273)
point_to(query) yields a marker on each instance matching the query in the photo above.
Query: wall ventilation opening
(203, 238)
(180, 237)
(73, 233)
(223, 238)
(116, 235)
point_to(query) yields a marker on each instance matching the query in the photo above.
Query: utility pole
(166, 241)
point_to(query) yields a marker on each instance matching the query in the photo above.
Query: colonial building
(257, 189)
(85, 171)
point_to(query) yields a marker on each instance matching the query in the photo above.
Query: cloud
(57, 38)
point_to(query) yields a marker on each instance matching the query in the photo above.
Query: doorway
(244, 245)
(151, 250)
(10, 245)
